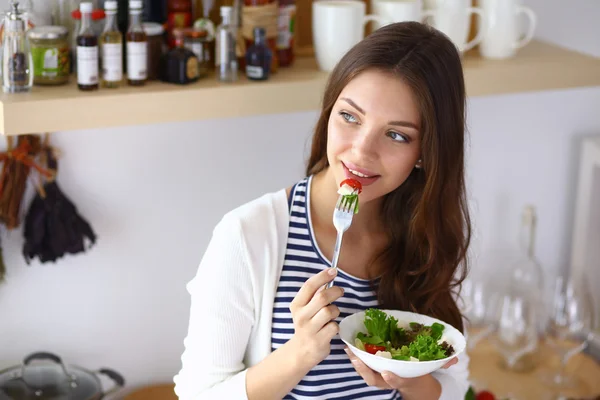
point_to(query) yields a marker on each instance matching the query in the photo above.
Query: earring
(418, 164)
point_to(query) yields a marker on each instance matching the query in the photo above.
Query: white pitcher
(501, 37)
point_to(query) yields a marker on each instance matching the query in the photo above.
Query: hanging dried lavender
(53, 226)
(2, 266)
(17, 166)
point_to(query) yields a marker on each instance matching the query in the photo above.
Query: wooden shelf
(539, 66)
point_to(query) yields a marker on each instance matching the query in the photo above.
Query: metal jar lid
(48, 32)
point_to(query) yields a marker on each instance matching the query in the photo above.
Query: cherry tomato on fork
(373, 348)
(353, 183)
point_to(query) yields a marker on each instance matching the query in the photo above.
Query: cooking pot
(52, 380)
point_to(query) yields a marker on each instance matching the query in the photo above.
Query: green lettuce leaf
(377, 324)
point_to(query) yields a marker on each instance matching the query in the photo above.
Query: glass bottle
(526, 272)
(179, 15)
(258, 57)
(111, 48)
(527, 280)
(17, 63)
(137, 46)
(286, 23)
(87, 51)
(226, 60)
(197, 41)
(261, 13)
(180, 65)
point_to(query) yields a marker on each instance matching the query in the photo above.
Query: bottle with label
(179, 15)
(137, 46)
(258, 57)
(180, 65)
(286, 23)
(226, 60)
(111, 48)
(263, 13)
(87, 50)
(17, 64)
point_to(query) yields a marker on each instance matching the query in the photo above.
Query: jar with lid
(197, 40)
(156, 48)
(50, 53)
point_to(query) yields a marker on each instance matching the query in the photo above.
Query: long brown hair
(427, 217)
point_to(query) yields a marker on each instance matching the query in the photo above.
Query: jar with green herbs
(50, 53)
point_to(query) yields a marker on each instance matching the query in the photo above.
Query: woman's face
(374, 133)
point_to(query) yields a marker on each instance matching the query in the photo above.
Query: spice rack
(537, 67)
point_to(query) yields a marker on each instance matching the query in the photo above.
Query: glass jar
(50, 53)
(198, 42)
(156, 48)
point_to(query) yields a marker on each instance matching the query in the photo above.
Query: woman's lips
(363, 181)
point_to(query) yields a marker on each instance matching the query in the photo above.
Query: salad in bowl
(404, 343)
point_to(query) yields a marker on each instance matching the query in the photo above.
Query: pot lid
(43, 376)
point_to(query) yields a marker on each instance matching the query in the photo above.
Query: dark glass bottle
(180, 65)
(258, 57)
(87, 51)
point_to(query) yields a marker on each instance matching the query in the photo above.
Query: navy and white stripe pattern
(334, 378)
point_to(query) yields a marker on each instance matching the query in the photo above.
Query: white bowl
(352, 324)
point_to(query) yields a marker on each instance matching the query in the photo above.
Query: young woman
(261, 326)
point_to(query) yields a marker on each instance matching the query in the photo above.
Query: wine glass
(571, 322)
(515, 333)
(477, 302)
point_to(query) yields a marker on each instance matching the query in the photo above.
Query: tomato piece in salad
(353, 183)
(373, 348)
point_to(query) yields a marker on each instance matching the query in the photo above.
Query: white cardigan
(232, 299)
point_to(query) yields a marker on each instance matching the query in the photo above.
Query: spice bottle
(180, 64)
(111, 48)
(87, 51)
(137, 46)
(17, 64)
(226, 60)
(258, 57)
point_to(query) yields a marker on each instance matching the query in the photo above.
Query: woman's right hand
(313, 316)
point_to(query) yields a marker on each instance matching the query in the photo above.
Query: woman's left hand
(388, 380)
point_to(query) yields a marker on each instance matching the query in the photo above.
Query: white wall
(573, 24)
(153, 194)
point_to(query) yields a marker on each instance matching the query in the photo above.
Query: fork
(342, 219)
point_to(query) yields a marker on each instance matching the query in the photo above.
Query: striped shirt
(333, 378)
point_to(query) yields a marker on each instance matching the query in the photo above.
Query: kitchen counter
(486, 373)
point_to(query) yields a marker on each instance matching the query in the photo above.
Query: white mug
(501, 37)
(453, 17)
(337, 26)
(399, 11)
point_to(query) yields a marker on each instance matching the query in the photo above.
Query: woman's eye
(397, 136)
(348, 117)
